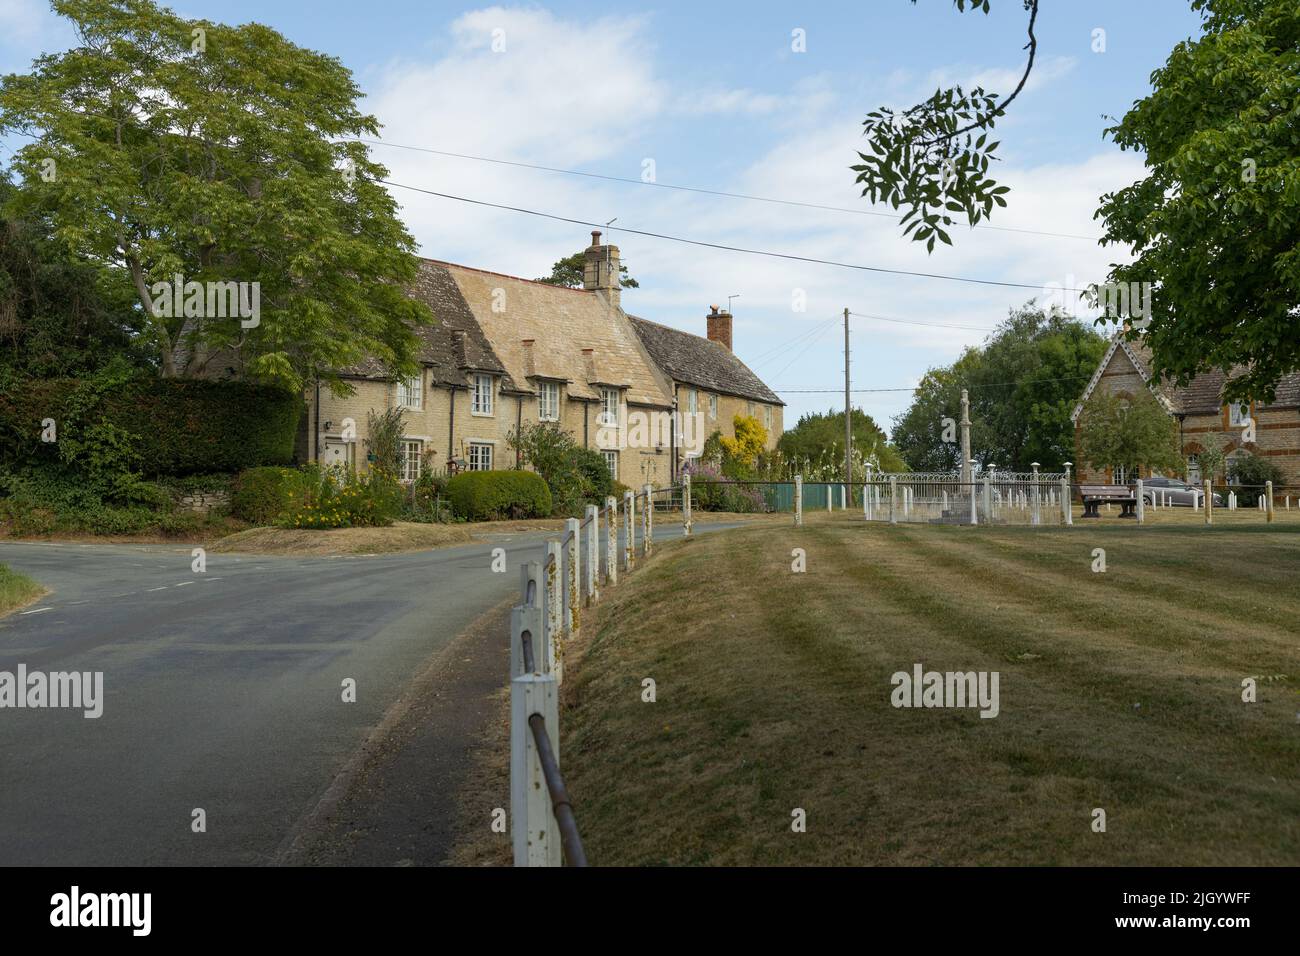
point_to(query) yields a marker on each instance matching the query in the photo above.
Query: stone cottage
(1201, 413)
(506, 351)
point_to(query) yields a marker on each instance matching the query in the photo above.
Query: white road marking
(163, 588)
(37, 610)
(183, 584)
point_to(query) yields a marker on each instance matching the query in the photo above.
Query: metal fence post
(686, 505)
(1141, 504)
(1268, 497)
(611, 540)
(988, 500)
(798, 499)
(893, 493)
(593, 554)
(866, 496)
(974, 506)
(648, 521)
(529, 618)
(1067, 511)
(533, 830)
(572, 564)
(629, 530)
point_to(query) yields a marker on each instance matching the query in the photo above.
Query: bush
(1254, 470)
(707, 496)
(261, 495)
(117, 423)
(575, 475)
(493, 495)
(340, 498)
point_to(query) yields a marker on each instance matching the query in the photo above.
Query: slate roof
(561, 323)
(455, 344)
(1203, 395)
(699, 361)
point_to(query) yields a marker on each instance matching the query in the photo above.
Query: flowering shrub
(338, 497)
(707, 496)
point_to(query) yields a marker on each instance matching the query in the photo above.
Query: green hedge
(492, 495)
(175, 426)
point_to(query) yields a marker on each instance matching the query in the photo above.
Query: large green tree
(1215, 225)
(1023, 384)
(819, 437)
(1132, 431)
(168, 146)
(59, 316)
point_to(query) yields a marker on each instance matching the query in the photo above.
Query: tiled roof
(454, 344)
(696, 360)
(579, 337)
(1203, 395)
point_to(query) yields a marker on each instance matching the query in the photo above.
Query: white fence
(554, 593)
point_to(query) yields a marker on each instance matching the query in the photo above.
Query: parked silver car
(1172, 491)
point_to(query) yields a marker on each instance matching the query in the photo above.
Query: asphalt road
(222, 690)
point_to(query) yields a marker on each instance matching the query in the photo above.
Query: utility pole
(848, 419)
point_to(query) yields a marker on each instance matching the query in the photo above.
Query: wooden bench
(1094, 495)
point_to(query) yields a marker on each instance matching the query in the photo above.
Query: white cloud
(585, 95)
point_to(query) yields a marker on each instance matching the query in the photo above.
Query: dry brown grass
(1119, 690)
(401, 536)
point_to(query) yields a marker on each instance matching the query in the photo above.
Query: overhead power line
(698, 189)
(837, 391)
(717, 245)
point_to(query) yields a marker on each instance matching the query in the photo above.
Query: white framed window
(1120, 475)
(480, 456)
(611, 462)
(767, 417)
(548, 402)
(749, 409)
(412, 458)
(1238, 414)
(608, 406)
(410, 392)
(713, 407)
(692, 401)
(482, 395)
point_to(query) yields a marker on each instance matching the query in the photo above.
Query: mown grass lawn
(1119, 690)
(16, 590)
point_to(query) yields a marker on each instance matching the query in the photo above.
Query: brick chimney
(719, 327)
(600, 269)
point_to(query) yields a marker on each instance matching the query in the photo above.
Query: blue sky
(713, 94)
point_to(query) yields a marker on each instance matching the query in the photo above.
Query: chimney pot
(718, 326)
(600, 270)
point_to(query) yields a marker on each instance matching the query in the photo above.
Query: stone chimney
(530, 364)
(600, 269)
(719, 327)
(589, 363)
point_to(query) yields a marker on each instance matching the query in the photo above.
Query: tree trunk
(160, 330)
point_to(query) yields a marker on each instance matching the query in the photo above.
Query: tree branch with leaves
(932, 159)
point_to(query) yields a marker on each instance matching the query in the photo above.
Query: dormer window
(410, 392)
(548, 402)
(608, 406)
(482, 404)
